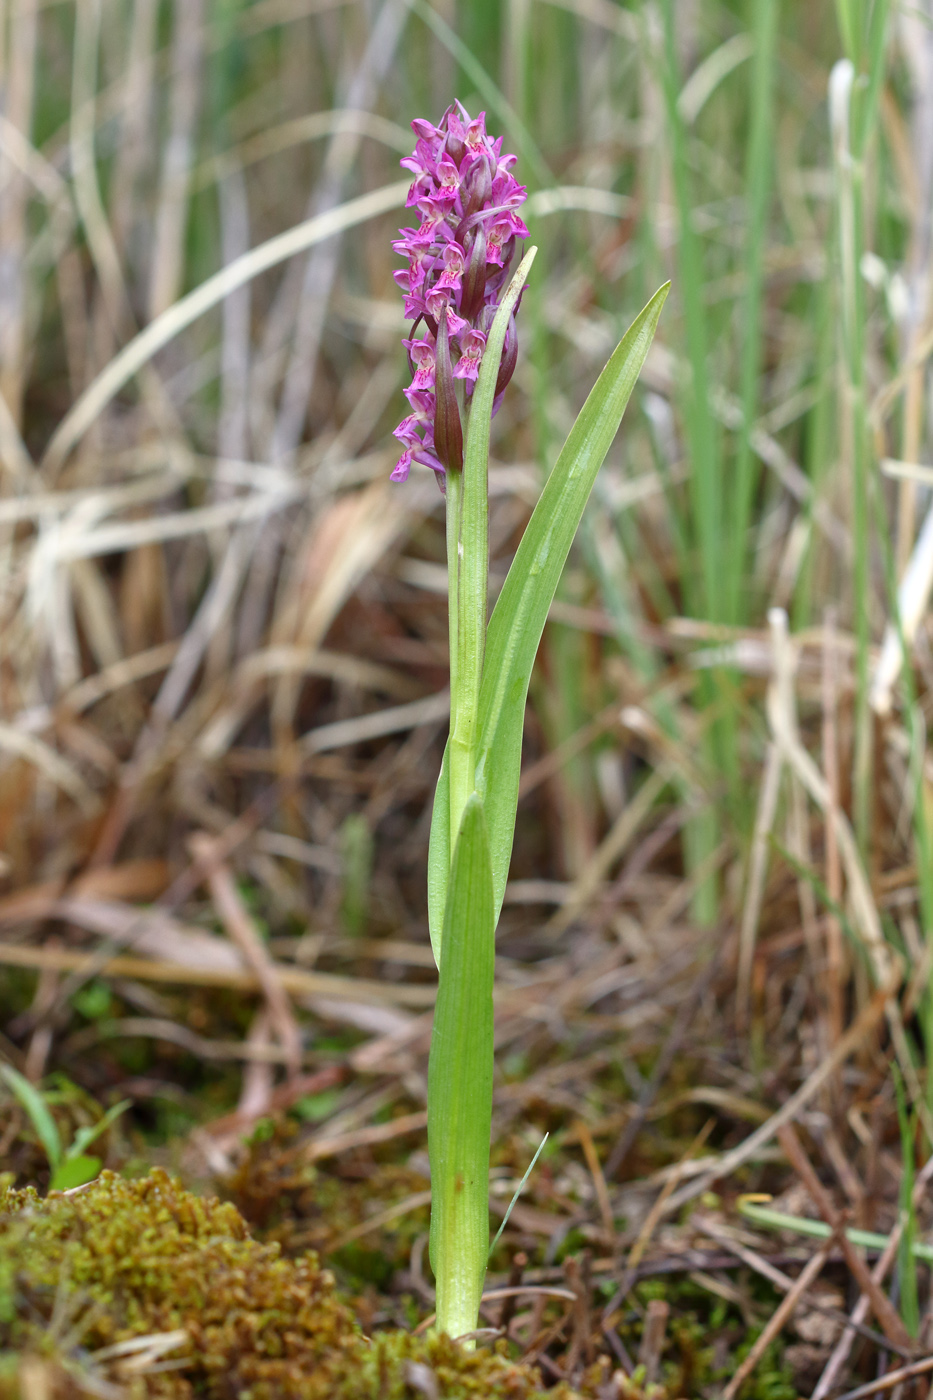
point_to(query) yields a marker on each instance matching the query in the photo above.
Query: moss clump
(303, 1206)
(127, 1259)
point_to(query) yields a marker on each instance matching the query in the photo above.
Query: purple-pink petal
(401, 468)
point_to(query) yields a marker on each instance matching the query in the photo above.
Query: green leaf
(467, 501)
(439, 856)
(38, 1110)
(74, 1171)
(85, 1136)
(460, 1082)
(314, 1108)
(473, 560)
(521, 611)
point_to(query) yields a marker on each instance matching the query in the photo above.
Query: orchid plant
(463, 350)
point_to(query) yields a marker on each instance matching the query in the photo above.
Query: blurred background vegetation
(222, 630)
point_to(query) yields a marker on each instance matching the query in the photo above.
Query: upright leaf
(521, 611)
(467, 525)
(38, 1110)
(473, 562)
(460, 1082)
(75, 1171)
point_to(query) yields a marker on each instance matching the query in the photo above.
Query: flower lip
(472, 344)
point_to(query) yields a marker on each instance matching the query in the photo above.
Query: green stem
(848, 174)
(854, 89)
(473, 584)
(757, 194)
(454, 485)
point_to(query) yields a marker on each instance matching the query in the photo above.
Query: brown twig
(892, 1379)
(881, 1305)
(785, 1308)
(244, 934)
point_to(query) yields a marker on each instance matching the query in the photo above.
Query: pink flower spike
(459, 259)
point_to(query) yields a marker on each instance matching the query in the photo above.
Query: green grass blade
(518, 1191)
(488, 89)
(37, 1109)
(703, 438)
(906, 1259)
(85, 1136)
(520, 613)
(819, 1230)
(757, 196)
(460, 1082)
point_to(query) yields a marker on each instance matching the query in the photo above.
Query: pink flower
(422, 356)
(453, 257)
(437, 302)
(472, 345)
(402, 467)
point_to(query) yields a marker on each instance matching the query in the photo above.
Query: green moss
(122, 1259)
(302, 1205)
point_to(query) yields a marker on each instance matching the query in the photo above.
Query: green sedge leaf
(37, 1110)
(75, 1171)
(521, 610)
(520, 613)
(469, 598)
(473, 563)
(460, 1081)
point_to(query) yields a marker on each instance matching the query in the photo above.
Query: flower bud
(448, 430)
(474, 277)
(479, 187)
